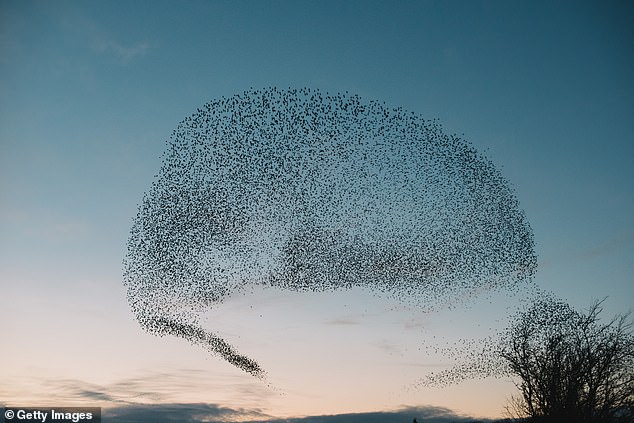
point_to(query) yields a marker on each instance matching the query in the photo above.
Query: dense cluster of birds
(307, 191)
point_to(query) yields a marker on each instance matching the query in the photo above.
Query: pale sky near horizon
(90, 91)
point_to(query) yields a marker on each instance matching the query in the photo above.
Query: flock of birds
(541, 318)
(307, 191)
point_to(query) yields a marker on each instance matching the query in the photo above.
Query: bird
(308, 191)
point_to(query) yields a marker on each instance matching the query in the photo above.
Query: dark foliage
(572, 367)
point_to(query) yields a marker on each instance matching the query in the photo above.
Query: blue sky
(90, 91)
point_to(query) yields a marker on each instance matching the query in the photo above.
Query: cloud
(416, 323)
(45, 224)
(609, 246)
(120, 51)
(181, 413)
(127, 401)
(73, 390)
(155, 388)
(95, 34)
(211, 413)
(615, 245)
(389, 348)
(426, 414)
(343, 321)
(96, 395)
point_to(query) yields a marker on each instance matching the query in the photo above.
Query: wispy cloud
(182, 413)
(130, 401)
(43, 224)
(100, 39)
(95, 395)
(153, 388)
(416, 323)
(389, 348)
(101, 44)
(342, 321)
(194, 413)
(609, 246)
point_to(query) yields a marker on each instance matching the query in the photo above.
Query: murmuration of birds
(308, 191)
(542, 315)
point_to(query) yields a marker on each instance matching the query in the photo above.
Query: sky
(90, 91)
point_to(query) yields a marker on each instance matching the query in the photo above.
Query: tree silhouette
(571, 366)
